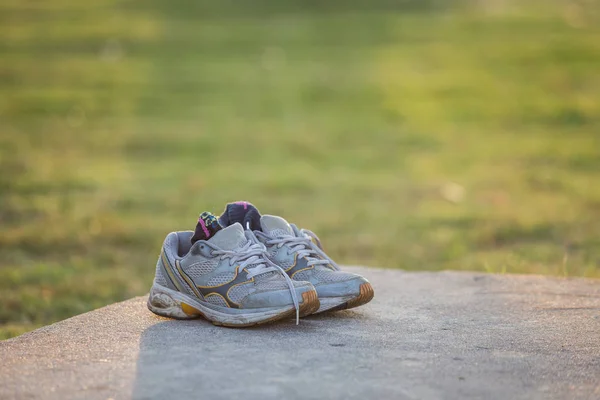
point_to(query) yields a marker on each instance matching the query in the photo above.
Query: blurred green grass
(414, 134)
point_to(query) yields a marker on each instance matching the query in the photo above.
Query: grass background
(422, 135)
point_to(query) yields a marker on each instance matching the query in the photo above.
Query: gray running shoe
(225, 276)
(300, 254)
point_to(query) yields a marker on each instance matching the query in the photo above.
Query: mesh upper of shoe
(286, 263)
(326, 275)
(170, 246)
(237, 293)
(221, 279)
(198, 269)
(275, 233)
(158, 276)
(275, 282)
(272, 251)
(264, 283)
(216, 300)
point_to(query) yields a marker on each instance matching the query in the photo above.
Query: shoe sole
(365, 295)
(172, 304)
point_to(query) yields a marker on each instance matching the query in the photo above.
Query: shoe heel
(167, 303)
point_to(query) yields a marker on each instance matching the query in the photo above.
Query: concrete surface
(448, 335)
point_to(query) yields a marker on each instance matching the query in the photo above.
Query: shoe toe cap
(342, 288)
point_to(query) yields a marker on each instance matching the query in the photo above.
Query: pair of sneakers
(244, 269)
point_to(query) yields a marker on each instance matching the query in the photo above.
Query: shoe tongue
(229, 238)
(275, 226)
(207, 227)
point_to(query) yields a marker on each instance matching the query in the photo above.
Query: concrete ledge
(425, 335)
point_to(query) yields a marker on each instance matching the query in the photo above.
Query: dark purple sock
(243, 212)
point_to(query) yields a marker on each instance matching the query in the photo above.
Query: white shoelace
(253, 253)
(301, 246)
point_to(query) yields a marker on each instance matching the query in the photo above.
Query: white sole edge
(327, 303)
